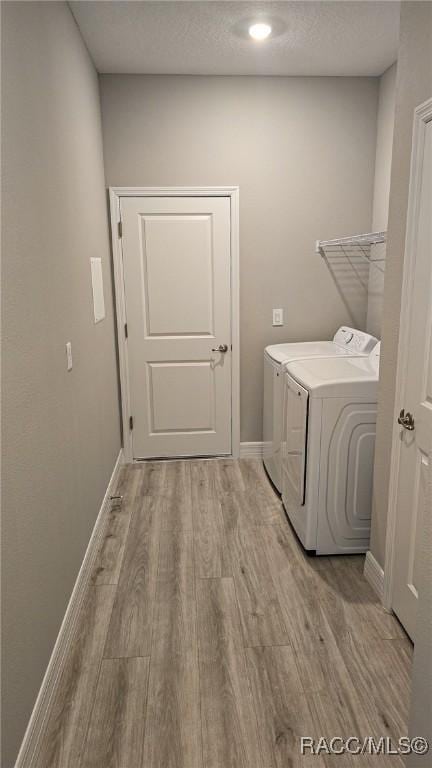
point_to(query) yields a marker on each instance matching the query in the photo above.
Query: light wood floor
(208, 639)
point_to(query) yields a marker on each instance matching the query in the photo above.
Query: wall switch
(69, 355)
(278, 317)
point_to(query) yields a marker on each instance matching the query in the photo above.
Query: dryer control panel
(356, 341)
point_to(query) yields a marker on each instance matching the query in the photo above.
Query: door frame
(115, 196)
(422, 116)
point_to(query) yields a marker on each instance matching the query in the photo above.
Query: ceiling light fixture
(260, 31)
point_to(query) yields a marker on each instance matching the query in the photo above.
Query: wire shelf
(356, 245)
(354, 242)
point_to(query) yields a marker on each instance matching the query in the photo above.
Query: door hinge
(131, 422)
(126, 330)
(120, 229)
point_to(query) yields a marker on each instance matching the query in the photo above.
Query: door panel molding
(115, 196)
(422, 116)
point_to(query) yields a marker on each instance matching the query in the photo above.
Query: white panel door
(415, 443)
(177, 266)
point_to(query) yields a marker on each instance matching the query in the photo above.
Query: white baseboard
(251, 450)
(374, 574)
(31, 741)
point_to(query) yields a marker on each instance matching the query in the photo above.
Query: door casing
(115, 195)
(422, 115)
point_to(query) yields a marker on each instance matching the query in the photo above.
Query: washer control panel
(357, 341)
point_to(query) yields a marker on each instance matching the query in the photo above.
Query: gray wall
(60, 430)
(302, 151)
(383, 158)
(413, 86)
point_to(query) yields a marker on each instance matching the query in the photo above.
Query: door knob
(221, 348)
(406, 420)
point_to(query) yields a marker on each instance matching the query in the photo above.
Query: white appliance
(346, 342)
(328, 451)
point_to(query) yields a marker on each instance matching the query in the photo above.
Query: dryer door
(346, 479)
(295, 443)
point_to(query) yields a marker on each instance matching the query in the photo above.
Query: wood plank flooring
(208, 639)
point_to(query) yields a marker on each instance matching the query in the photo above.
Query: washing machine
(346, 342)
(327, 453)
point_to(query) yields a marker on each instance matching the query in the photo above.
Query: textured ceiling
(210, 38)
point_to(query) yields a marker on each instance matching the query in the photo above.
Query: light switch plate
(69, 355)
(278, 317)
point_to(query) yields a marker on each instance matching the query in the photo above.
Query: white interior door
(176, 265)
(415, 438)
